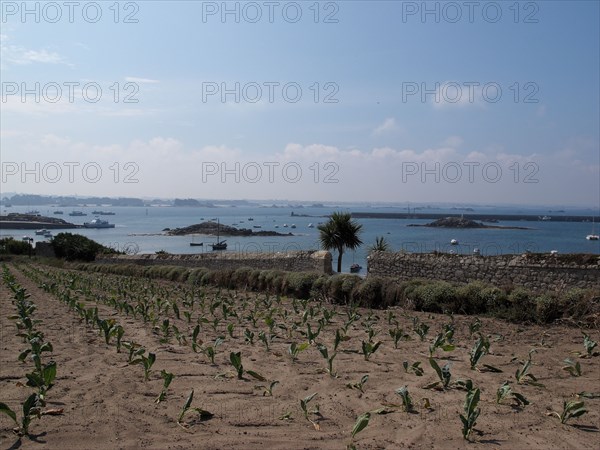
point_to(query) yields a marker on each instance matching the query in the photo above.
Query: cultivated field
(276, 372)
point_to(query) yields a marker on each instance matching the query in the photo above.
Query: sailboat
(219, 245)
(592, 237)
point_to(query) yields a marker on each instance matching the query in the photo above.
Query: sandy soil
(107, 403)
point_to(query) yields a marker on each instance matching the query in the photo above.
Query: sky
(378, 101)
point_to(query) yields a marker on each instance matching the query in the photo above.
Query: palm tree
(338, 233)
(380, 245)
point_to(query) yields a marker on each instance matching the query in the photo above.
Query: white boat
(285, 225)
(41, 232)
(98, 223)
(310, 225)
(453, 242)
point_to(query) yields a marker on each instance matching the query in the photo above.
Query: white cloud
(388, 125)
(453, 141)
(141, 80)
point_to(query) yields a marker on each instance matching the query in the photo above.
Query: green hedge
(511, 303)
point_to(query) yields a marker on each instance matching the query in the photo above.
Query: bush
(10, 246)
(440, 297)
(299, 284)
(75, 247)
(368, 293)
(548, 308)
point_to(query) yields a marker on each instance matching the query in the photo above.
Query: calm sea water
(138, 229)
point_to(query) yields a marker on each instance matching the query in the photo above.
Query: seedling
(574, 368)
(236, 362)
(469, 420)
(421, 329)
(294, 349)
(414, 368)
(407, 402)
(31, 410)
(323, 350)
(474, 326)
(523, 376)
(249, 336)
(42, 379)
(167, 378)
(195, 344)
(440, 341)
(397, 334)
(589, 345)
(479, 350)
(230, 330)
(265, 339)
(442, 373)
(268, 391)
(505, 391)
(304, 406)
(204, 415)
(134, 350)
(211, 350)
(360, 385)
(570, 410)
(312, 336)
(369, 348)
(146, 362)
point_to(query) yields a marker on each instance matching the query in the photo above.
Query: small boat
(27, 239)
(33, 212)
(554, 252)
(77, 214)
(98, 223)
(48, 234)
(196, 244)
(250, 219)
(58, 212)
(310, 225)
(544, 218)
(257, 226)
(219, 245)
(41, 232)
(476, 251)
(293, 226)
(103, 213)
(354, 268)
(453, 242)
(276, 226)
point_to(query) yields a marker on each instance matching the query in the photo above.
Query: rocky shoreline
(16, 221)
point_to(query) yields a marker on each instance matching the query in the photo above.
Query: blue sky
(370, 145)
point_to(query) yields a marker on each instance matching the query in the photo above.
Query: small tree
(339, 233)
(380, 245)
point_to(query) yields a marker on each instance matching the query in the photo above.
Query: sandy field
(107, 403)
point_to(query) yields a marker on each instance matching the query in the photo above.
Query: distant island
(211, 228)
(460, 222)
(16, 221)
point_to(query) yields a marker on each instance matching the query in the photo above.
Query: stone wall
(297, 261)
(536, 272)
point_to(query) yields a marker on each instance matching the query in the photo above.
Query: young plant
(211, 350)
(589, 345)
(570, 410)
(230, 330)
(574, 368)
(323, 350)
(407, 402)
(195, 344)
(361, 423)
(524, 376)
(368, 348)
(249, 336)
(397, 334)
(443, 374)
(421, 329)
(469, 420)
(479, 350)
(146, 362)
(134, 350)
(31, 410)
(474, 326)
(414, 368)
(505, 391)
(440, 341)
(294, 349)
(268, 391)
(304, 407)
(360, 385)
(204, 415)
(167, 378)
(236, 362)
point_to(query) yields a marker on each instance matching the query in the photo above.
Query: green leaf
(361, 422)
(9, 412)
(256, 375)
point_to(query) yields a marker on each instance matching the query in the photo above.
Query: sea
(140, 229)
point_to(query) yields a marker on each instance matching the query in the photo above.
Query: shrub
(299, 284)
(368, 293)
(74, 247)
(437, 296)
(548, 308)
(10, 246)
